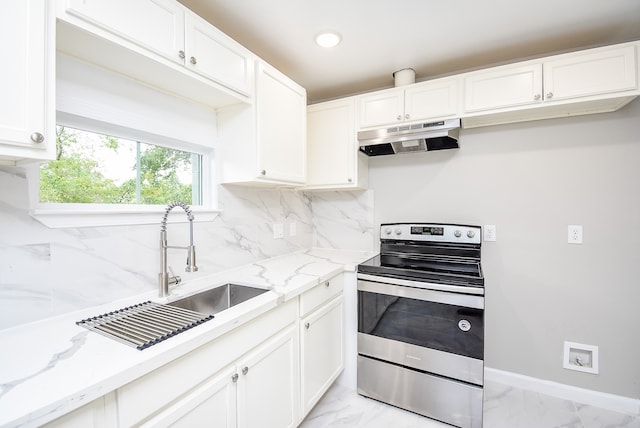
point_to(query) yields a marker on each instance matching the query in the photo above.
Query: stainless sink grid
(144, 324)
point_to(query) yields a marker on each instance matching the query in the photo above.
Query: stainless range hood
(419, 137)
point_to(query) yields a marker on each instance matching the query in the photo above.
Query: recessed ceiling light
(328, 39)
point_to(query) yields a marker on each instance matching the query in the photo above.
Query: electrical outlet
(489, 232)
(278, 231)
(574, 234)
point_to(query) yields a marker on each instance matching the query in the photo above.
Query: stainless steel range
(421, 322)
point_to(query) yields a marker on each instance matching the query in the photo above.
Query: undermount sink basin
(218, 299)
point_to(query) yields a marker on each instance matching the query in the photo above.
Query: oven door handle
(465, 300)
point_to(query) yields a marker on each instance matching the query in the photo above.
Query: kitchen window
(124, 151)
(96, 168)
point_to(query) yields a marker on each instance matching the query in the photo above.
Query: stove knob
(387, 231)
(471, 234)
(457, 234)
(398, 232)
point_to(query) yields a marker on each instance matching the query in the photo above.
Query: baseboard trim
(603, 400)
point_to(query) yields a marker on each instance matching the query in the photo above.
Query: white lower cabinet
(321, 351)
(321, 340)
(100, 413)
(211, 404)
(260, 390)
(268, 383)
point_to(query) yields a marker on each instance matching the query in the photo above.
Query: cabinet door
(331, 143)
(157, 25)
(503, 87)
(268, 388)
(26, 80)
(281, 126)
(322, 356)
(213, 54)
(431, 100)
(212, 404)
(598, 72)
(381, 108)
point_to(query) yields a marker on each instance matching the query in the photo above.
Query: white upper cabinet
(27, 104)
(265, 144)
(333, 161)
(590, 81)
(596, 72)
(382, 107)
(213, 54)
(282, 132)
(507, 86)
(157, 25)
(161, 43)
(436, 99)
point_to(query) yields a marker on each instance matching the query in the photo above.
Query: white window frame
(81, 106)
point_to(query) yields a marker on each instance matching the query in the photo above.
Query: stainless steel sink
(218, 299)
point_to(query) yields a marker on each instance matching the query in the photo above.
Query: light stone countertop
(51, 367)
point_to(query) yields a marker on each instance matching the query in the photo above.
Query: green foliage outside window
(144, 173)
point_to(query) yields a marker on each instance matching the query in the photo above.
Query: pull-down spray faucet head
(163, 278)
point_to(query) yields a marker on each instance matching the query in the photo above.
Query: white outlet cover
(278, 231)
(489, 233)
(574, 234)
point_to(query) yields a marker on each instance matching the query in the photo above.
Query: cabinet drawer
(145, 396)
(320, 294)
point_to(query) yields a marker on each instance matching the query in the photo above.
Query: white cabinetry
(503, 87)
(265, 143)
(157, 25)
(221, 380)
(161, 43)
(214, 402)
(435, 99)
(260, 390)
(591, 81)
(595, 72)
(211, 53)
(321, 340)
(268, 388)
(27, 105)
(333, 160)
(100, 413)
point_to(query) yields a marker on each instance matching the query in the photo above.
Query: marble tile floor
(504, 407)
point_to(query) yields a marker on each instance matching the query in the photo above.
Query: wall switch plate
(278, 231)
(574, 234)
(489, 231)
(580, 357)
(292, 229)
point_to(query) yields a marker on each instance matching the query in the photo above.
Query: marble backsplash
(46, 272)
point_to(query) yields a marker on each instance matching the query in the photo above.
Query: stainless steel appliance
(416, 137)
(421, 322)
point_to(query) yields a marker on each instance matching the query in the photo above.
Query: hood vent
(419, 137)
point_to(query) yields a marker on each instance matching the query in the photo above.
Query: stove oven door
(428, 330)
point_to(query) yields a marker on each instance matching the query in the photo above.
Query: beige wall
(532, 180)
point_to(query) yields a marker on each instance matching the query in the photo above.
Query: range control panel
(431, 232)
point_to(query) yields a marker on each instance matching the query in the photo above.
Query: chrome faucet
(164, 279)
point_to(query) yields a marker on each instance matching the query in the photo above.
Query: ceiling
(434, 37)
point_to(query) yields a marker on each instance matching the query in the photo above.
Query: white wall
(532, 180)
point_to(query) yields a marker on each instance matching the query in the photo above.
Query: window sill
(57, 216)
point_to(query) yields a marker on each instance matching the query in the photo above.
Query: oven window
(428, 324)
